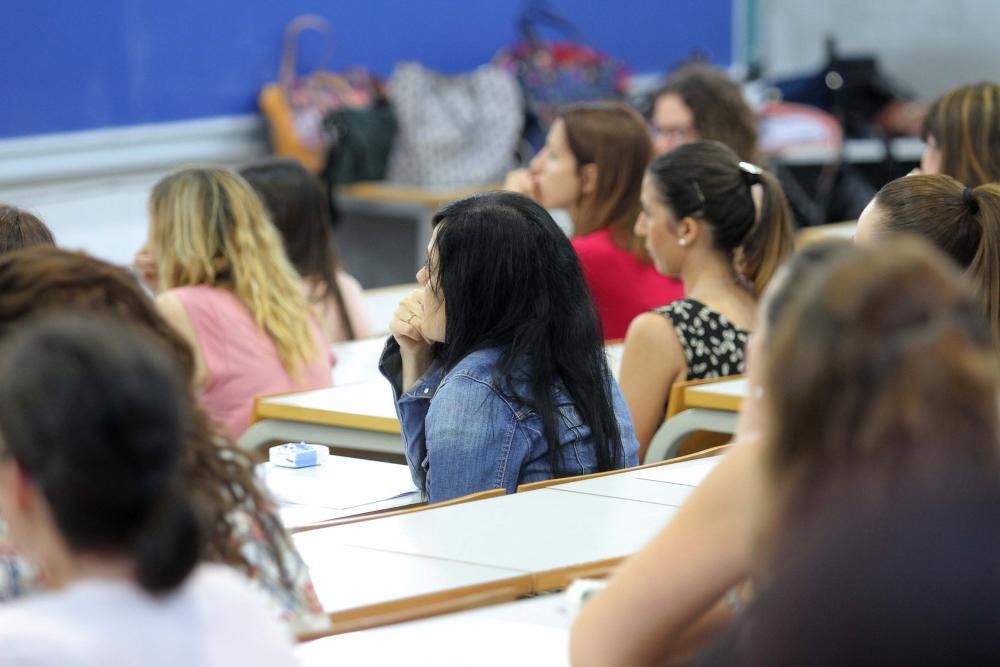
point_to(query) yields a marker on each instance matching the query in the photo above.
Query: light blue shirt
(462, 435)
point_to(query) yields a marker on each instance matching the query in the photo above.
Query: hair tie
(969, 199)
(751, 173)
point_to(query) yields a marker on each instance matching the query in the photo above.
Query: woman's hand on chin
(415, 350)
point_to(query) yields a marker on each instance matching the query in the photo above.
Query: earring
(682, 242)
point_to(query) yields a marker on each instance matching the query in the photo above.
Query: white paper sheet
(340, 483)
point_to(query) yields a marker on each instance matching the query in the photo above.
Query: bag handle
(290, 44)
(540, 14)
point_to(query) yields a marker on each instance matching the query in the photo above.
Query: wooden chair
(663, 446)
(479, 495)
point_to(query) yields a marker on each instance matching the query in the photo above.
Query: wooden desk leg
(671, 434)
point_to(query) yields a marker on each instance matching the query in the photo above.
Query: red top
(623, 287)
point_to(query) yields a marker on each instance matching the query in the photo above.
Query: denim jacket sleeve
(467, 439)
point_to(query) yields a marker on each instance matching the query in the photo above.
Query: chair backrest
(478, 495)
(677, 403)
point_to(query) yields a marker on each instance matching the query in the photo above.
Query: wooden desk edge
(699, 399)
(409, 194)
(423, 606)
(559, 578)
(264, 410)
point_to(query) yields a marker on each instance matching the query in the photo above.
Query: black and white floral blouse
(712, 345)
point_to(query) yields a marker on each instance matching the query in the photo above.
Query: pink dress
(241, 360)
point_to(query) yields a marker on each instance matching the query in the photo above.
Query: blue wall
(97, 63)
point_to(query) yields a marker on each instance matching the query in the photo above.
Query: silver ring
(410, 317)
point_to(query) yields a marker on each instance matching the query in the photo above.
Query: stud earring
(682, 242)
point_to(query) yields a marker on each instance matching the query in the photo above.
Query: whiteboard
(929, 46)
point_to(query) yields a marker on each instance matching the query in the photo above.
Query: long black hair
(93, 412)
(299, 209)
(510, 279)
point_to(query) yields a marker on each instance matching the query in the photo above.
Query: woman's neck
(709, 276)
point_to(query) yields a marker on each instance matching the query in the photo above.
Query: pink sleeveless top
(241, 360)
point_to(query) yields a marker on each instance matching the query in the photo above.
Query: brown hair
(299, 210)
(717, 106)
(965, 125)
(965, 224)
(40, 281)
(613, 137)
(20, 229)
(881, 370)
(707, 179)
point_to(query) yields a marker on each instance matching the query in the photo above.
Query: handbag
(295, 106)
(454, 131)
(552, 74)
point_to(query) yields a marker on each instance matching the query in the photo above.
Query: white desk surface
(691, 473)
(357, 361)
(371, 398)
(630, 486)
(341, 487)
(381, 303)
(535, 531)
(347, 577)
(534, 631)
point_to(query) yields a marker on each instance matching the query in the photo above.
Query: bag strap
(290, 44)
(542, 14)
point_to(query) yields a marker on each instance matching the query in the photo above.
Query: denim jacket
(462, 435)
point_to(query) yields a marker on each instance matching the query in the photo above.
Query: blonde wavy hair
(208, 227)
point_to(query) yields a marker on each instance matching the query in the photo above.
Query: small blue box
(294, 455)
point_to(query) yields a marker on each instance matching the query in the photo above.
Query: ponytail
(962, 222)
(707, 179)
(983, 204)
(770, 240)
(168, 546)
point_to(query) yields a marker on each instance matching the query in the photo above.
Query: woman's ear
(588, 179)
(689, 229)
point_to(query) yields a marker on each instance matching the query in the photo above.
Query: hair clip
(751, 172)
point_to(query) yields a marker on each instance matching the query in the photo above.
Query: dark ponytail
(93, 412)
(706, 178)
(168, 545)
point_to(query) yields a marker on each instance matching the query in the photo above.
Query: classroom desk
(709, 407)
(357, 360)
(341, 487)
(381, 304)
(554, 536)
(356, 413)
(402, 201)
(361, 587)
(358, 416)
(533, 631)
(838, 230)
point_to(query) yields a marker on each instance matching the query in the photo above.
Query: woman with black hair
(497, 364)
(92, 424)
